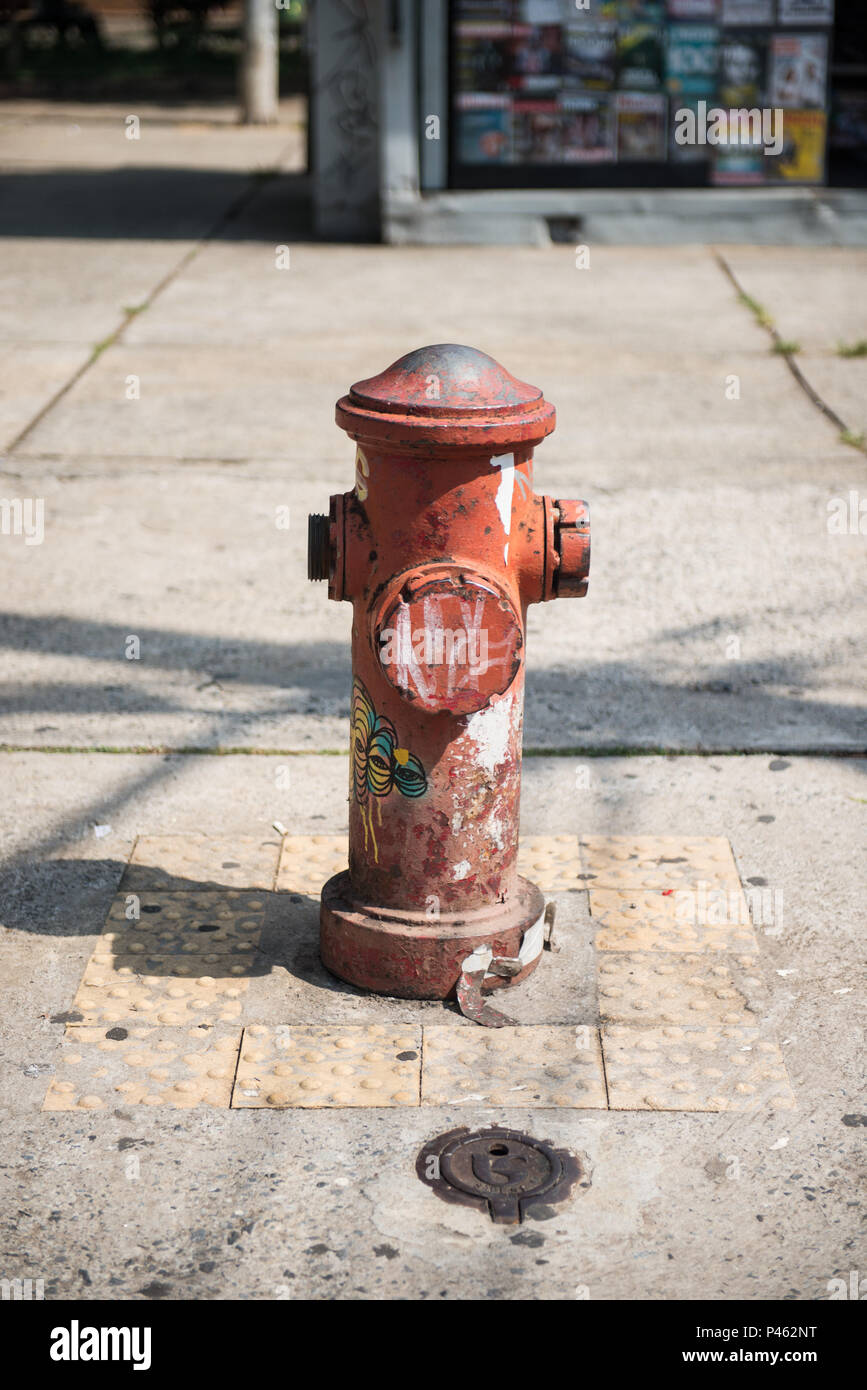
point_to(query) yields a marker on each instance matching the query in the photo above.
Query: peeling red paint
(444, 539)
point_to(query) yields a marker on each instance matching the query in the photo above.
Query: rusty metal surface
(440, 546)
(503, 1172)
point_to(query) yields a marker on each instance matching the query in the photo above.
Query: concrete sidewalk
(166, 389)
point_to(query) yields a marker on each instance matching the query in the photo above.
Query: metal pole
(259, 63)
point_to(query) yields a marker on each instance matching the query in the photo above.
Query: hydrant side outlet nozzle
(440, 546)
(318, 547)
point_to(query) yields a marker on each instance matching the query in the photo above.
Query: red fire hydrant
(440, 547)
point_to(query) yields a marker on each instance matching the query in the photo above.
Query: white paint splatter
(490, 729)
(462, 869)
(506, 465)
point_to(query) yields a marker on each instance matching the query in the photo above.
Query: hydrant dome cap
(445, 379)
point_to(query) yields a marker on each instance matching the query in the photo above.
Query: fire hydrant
(440, 547)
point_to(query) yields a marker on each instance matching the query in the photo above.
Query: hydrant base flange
(412, 955)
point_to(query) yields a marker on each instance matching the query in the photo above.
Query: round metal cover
(499, 1170)
(444, 379)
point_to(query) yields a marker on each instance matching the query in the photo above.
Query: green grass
(855, 441)
(760, 314)
(786, 348)
(858, 349)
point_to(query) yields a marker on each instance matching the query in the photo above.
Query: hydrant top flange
(448, 396)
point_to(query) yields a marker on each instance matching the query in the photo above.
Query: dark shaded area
(149, 204)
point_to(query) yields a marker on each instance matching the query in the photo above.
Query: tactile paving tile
(308, 861)
(677, 1068)
(101, 1069)
(196, 861)
(556, 1066)
(226, 922)
(170, 990)
(551, 862)
(635, 919)
(645, 987)
(316, 1066)
(657, 861)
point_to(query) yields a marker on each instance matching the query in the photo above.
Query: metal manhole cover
(501, 1171)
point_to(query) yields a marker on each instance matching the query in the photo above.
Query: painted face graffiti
(378, 764)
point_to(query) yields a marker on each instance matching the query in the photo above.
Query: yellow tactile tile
(676, 1068)
(101, 1069)
(169, 990)
(225, 922)
(657, 861)
(637, 919)
(308, 861)
(557, 1066)
(316, 1066)
(197, 861)
(649, 987)
(551, 862)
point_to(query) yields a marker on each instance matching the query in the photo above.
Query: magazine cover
(590, 56)
(545, 11)
(588, 129)
(692, 60)
(742, 62)
(537, 132)
(484, 129)
(640, 58)
(747, 11)
(692, 9)
(802, 158)
(640, 125)
(484, 10)
(641, 11)
(798, 70)
(483, 57)
(738, 164)
(686, 153)
(805, 11)
(537, 58)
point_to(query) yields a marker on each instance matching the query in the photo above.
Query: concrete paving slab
(226, 922)
(842, 384)
(31, 375)
(230, 1203)
(100, 1069)
(110, 142)
(56, 291)
(635, 919)
(677, 1068)
(814, 300)
(382, 302)
(646, 987)
(513, 1067)
(179, 861)
(238, 649)
(292, 1066)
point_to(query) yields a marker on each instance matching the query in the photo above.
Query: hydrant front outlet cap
(440, 547)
